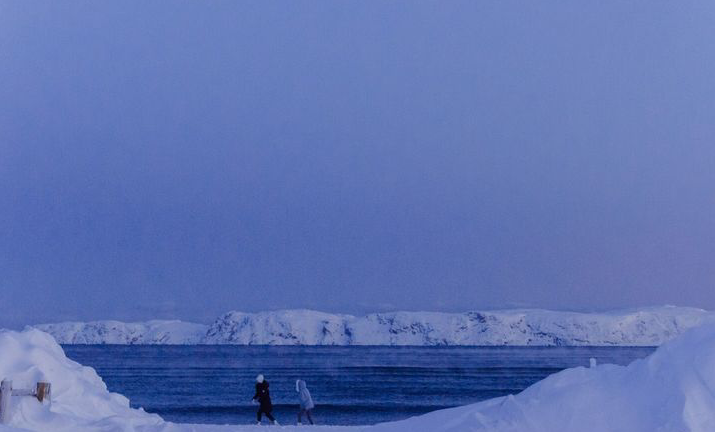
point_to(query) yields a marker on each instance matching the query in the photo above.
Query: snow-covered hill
(121, 333)
(651, 326)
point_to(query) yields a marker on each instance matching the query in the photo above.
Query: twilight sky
(183, 160)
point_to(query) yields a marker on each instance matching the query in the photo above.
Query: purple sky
(161, 161)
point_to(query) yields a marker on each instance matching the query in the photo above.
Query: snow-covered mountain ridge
(527, 327)
(155, 332)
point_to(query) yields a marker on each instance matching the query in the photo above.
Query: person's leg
(300, 415)
(310, 417)
(270, 416)
(258, 414)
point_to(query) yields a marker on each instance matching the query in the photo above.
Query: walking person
(306, 402)
(263, 397)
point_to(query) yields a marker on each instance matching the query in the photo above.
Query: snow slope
(644, 327)
(117, 332)
(672, 390)
(80, 400)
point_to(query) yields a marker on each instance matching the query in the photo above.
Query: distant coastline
(524, 327)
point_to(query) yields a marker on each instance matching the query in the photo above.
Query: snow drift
(672, 390)
(80, 400)
(643, 327)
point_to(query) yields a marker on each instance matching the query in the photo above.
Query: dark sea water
(350, 385)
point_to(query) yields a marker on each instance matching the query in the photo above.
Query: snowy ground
(673, 390)
(171, 427)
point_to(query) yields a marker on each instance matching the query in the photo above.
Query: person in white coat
(306, 401)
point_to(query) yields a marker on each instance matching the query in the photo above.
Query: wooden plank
(5, 395)
(43, 391)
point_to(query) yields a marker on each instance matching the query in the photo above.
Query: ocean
(350, 385)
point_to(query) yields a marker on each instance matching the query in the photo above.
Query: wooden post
(43, 391)
(5, 394)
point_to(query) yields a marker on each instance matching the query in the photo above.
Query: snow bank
(642, 327)
(80, 400)
(673, 390)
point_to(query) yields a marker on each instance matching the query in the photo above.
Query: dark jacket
(263, 396)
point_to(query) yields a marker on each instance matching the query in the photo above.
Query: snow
(287, 327)
(530, 327)
(80, 400)
(116, 332)
(672, 390)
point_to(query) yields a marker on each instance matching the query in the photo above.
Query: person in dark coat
(263, 397)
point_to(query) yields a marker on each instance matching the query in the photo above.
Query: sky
(183, 160)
